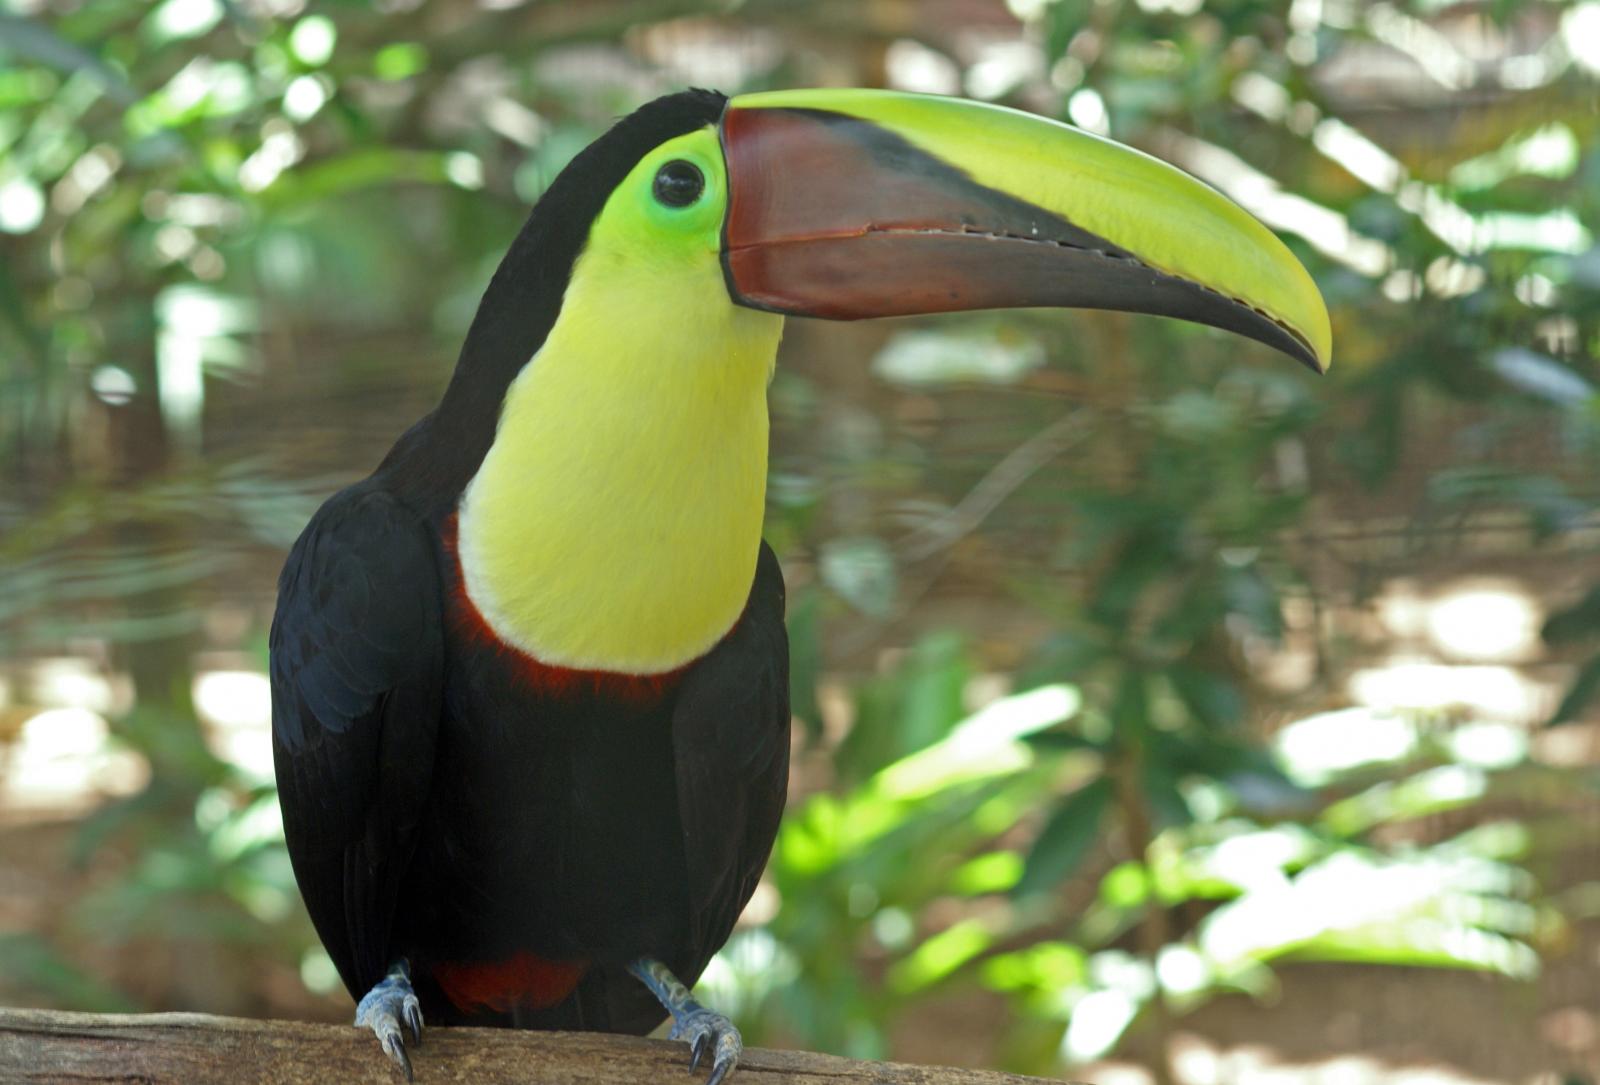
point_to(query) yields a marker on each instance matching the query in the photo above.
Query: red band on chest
(520, 980)
(562, 683)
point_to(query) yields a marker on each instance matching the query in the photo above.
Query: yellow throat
(615, 521)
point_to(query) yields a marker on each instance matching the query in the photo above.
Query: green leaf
(861, 571)
(1541, 376)
(399, 60)
(805, 660)
(1065, 839)
(362, 168)
(1432, 791)
(1372, 451)
(1160, 791)
(1424, 943)
(994, 872)
(1047, 966)
(1126, 885)
(1212, 699)
(909, 709)
(1145, 557)
(981, 747)
(939, 956)
(30, 38)
(1253, 598)
(1130, 710)
(1062, 742)
(1574, 624)
(1584, 690)
(1546, 499)
(1064, 656)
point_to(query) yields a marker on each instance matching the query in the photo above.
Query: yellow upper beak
(853, 203)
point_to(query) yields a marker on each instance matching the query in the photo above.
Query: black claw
(720, 1071)
(698, 1050)
(414, 1023)
(394, 1047)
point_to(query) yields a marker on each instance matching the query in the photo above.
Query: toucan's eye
(679, 183)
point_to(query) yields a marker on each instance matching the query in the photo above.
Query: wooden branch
(197, 1049)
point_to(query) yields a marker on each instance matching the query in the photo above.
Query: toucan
(530, 691)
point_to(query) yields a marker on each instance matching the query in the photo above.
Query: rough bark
(198, 1049)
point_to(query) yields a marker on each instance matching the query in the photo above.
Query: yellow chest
(615, 521)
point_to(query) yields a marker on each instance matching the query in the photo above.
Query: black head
(524, 297)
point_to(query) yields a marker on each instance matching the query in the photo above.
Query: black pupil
(679, 183)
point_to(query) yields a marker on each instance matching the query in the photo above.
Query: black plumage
(447, 803)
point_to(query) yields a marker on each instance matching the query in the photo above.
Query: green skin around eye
(696, 226)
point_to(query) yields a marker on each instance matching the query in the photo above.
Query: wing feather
(357, 665)
(731, 745)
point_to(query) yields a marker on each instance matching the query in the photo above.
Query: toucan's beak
(850, 203)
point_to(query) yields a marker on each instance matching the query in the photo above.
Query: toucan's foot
(706, 1031)
(390, 1004)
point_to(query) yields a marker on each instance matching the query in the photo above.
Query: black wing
(357, 670)
(730, 736)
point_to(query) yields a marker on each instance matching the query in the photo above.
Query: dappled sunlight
(1097, 1023)
(1501, 692)
(236, 706)
(1458, 646)
(1355, 907)
(985, 744)
(1319, 747)
(69, 682)
(1580, 33)
(1258, 860)
(21, 205)
(910, 65)
(1488, 744)
(1489, 623)
(61, 762)
(64, 759)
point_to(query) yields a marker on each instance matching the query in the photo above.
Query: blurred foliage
(227, 223)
